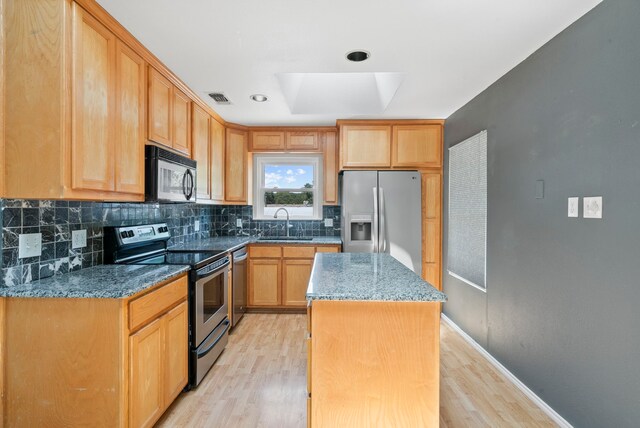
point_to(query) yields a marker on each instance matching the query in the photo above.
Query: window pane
(288, 176)
(297, 203)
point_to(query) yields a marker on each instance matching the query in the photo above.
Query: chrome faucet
(287, 212)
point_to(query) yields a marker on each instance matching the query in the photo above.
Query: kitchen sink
(285, 238)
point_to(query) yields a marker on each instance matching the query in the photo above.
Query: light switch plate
(574, 204)
(29, 245)
(592, 207)
(78, 238)
(238, 222)
(196, 225)
(328, 222)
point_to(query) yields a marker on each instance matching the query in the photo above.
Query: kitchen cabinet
(365, 146)
(386, 144)
(295, 280)
(264, 285)
(302, 140)
(201, 152)
(85, 140)
(235, 168)
(169, 114)
(330, 159)
(122, 361)
(417, 146)
(279, 274)
(382, 357)
(432, 228)
(266, 141)
(217, 140)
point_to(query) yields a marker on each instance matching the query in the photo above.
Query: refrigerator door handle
(374, 232)
(383, 238)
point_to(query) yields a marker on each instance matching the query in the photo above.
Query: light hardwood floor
(259, 381)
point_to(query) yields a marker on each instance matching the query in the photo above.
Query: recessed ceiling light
(259, 98)
(358, 56)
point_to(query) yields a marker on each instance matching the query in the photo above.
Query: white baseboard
(517, 382)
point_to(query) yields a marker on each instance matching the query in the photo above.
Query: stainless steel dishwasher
(239, 279)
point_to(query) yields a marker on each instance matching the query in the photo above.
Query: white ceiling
(450, 50)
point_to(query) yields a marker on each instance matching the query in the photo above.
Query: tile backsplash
(55, 220)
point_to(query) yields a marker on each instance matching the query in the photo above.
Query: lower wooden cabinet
(95, 362)
(295, 281)
(264, 285)
(279, 274)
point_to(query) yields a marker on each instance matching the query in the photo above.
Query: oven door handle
(212, 272)
(208, 349)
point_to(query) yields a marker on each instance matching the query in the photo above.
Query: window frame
(260, 160)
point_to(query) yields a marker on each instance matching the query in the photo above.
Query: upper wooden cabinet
(76, 129)
(217, 139)
(391, 144)
(282, 140)
(365, 146)
(302, 140)
(330, 158)
(201, 152)
(169, 114)
(417, 146)
(235, 167)
(267, 141)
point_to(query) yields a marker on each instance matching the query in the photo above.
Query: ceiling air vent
(219, 98)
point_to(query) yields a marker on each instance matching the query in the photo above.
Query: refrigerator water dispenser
(361, 228)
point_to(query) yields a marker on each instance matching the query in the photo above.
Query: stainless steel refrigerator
(381, 213)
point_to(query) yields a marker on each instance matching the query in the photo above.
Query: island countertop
(367, 276)
(104, 281)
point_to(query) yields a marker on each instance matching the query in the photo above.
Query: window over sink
(293, 182)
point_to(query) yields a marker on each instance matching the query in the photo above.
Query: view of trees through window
(284, 186)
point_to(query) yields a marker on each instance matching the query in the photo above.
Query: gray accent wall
(562, 308)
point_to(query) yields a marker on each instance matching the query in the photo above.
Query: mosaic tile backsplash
(57, 219)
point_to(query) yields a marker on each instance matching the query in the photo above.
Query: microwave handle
(187, 184)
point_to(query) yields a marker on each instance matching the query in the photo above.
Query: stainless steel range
(208, 287)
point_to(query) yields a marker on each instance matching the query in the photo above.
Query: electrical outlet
(29, 245)
(196, 225)
(78, 238)
(574, 204)
(328, 222)
(592, 207)
(238, 222)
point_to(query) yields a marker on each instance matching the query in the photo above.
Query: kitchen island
(373, 346)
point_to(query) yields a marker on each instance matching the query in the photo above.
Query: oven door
(211, 301)
(175, 182)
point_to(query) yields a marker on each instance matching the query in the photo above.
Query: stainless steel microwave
(168, 177)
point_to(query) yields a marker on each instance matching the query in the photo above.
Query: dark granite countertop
(367, 276)
(233, 243)
(105, 281)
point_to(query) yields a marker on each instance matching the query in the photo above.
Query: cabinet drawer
(151, 305)
(298, 252)
(265, 252)
(327, 250)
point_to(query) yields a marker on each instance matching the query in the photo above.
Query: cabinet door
(146, 398)
(295, 282)
(131, 88)
(264, 282)
(364, 146)
(417, 146)
(160, 108)
(217, 139)
(330, 168)
(181, 122)
(92, 146)
(267, 141)
(302, 140)
(200, 133)
(235, 173)
(176, 330)
(431, 228)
